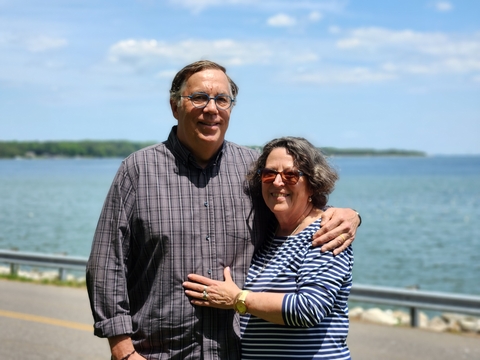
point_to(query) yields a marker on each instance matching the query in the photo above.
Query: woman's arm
(319, 286)
(266, 306)
(223, 294)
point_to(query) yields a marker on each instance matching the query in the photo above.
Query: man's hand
(338, 230)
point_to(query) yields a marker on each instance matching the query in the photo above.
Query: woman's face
(282, 199)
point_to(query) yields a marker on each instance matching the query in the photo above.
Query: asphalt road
(50, 322)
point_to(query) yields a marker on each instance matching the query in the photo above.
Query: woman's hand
(213, 293)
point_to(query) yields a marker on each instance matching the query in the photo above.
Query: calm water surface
(420, 215)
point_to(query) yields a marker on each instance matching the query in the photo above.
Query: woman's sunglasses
(289, 177)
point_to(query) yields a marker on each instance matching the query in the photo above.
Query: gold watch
(240, 305)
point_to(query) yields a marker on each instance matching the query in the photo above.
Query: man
(176, 208)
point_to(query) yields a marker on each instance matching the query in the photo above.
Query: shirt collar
(184, 155)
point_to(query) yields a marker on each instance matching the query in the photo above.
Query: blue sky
(348, 74)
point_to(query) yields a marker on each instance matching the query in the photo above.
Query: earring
(309, 199)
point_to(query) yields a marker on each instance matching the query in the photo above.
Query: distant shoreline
(123, 148)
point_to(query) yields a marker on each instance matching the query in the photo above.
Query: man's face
(200, 129)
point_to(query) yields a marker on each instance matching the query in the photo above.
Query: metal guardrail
(416, 299)
(412, 299)
(16, 258)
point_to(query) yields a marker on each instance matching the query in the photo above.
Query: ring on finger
(343, 237)
(205, 295)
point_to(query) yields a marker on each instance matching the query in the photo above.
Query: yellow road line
(46, 320)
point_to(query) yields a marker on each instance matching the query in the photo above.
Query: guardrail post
(414, 317)
(62, 274)
(14, 269)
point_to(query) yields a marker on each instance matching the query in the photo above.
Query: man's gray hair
(180, 80)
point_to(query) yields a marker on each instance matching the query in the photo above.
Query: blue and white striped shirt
(315, 309)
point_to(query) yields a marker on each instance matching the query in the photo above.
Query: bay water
(420, 227)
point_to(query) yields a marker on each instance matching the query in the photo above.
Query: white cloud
(443, 6)
(349, 43)
(332, 6)
(377, 37)
(358, 75)
(453, 47)
(460, 65)
(435, 44)
(199, 5)
(414, 52)
(281, 20)
(315, 16)
(45, 43)
(143, 56)
(334, 30)
(140, 54)
(39, 43)
(364, 55)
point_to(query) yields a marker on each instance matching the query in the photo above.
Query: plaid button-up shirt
(164, 218)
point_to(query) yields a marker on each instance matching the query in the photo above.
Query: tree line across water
(122, 148)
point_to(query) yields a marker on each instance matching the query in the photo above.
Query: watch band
(240, 305)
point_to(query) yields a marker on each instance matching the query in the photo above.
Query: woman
(294, 302)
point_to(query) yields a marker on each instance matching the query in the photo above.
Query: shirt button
(207, 238)
(209, 271)
(205, 204)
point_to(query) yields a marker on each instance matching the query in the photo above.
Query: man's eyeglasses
(289, 177)
(200, 100)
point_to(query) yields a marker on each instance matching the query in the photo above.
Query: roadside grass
(77, 283)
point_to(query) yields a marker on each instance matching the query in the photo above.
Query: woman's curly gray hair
(320, 176)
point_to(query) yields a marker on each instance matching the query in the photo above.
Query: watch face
(241, 308)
